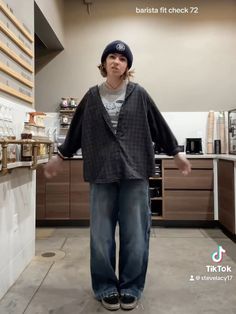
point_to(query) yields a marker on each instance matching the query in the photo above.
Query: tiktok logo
(218, 255)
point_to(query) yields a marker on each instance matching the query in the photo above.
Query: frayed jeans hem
(100, 296)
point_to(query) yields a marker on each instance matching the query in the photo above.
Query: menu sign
(16, 56)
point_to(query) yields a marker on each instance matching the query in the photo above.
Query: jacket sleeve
(160, 131)
(74, 135)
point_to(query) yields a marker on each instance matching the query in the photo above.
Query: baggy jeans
(127, 203)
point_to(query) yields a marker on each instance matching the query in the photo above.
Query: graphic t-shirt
(112, 101)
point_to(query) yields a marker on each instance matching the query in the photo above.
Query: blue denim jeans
(125, 203)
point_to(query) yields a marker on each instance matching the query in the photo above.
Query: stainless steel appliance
(194, 146)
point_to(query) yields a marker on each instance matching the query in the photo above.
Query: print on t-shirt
(113, 110)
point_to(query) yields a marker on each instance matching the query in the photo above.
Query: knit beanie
(118, 46)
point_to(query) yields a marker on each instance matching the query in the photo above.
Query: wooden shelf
(13, 92)
(155, 217)
(16, 40)
(155, 178)
(6, 167)
(15, 75)
(67, 110)
(16, 36)
(15, 21)
(15, 57)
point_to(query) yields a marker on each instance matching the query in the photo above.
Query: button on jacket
(126, 154)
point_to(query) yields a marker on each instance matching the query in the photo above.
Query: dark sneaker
(128, 302)
(111, 302)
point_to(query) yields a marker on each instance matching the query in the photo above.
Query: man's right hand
(53, 167)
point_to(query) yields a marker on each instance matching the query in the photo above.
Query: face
(116, 64)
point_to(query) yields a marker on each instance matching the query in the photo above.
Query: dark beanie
(118, 46)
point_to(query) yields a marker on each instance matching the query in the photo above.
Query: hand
(53, 167)
(183, 164)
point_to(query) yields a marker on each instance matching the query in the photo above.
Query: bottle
(26, 149)
(11, 149)
(64, 103)
(217, 147)
(72, 102)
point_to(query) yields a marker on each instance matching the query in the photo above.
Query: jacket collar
(95, 92)
(130, 87)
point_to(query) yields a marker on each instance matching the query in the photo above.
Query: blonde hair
(127, 75)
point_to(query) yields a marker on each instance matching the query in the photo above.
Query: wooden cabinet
(188, 205)
(65, 197)
(198, 179)
(172, 195)
(40, 193)
(188, 197)
(226, 197)
(57, 194)
(79, 192)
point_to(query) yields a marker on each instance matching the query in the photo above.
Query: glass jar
(11, 148)
(72, 102)
(64, 120)
(64, 102)
(26, 149)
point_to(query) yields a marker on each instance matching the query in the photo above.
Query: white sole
(110, 307)
(129, 306)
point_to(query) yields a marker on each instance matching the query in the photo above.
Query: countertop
(204, 156)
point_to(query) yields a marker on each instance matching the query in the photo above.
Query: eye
(111, 56)
(123, 59)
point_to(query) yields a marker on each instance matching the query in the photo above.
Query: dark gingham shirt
(126, 154)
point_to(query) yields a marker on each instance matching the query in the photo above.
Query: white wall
(17, 225)
(186, 62)
(194, 124)
(183, 124)
(17, 190)
(17, 212)
(53, 11)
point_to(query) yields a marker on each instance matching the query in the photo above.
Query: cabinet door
(226, 194)
(189, 197)
(79, 192)
(195, 163)
(58, 194)
(188, 205)
(197, 179)
(40, 193)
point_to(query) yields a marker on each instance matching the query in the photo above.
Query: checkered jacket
(126, 154)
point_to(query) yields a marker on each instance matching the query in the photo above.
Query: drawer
(57, 206)
(197, 179)
(195, 163)
(188, 205)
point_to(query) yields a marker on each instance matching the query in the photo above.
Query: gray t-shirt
(112, 101)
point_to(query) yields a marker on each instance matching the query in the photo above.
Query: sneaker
(111, 302)
(128, 302)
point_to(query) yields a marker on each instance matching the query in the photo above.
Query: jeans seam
(106, 293)
(131, 292)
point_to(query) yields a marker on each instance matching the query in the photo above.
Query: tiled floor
(61, 284)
